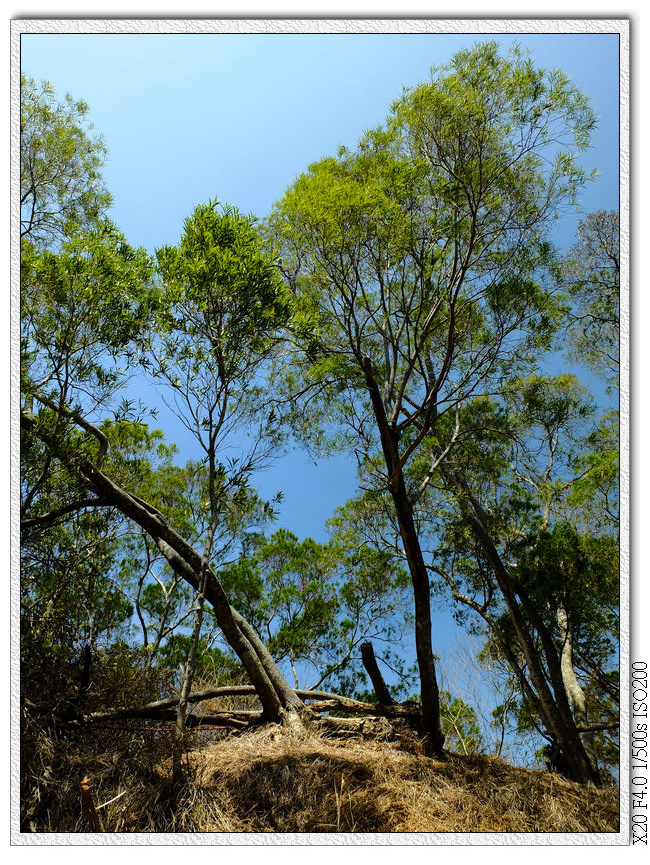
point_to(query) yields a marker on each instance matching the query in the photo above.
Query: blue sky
(188, 118)
(237, 117)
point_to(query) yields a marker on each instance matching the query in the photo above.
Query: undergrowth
(274, 780)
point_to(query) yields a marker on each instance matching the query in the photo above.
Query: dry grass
(275, 780)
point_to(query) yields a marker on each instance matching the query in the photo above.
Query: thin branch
(54, 515)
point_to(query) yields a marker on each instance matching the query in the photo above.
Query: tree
(61, 187)
(69, 607)
(73, 303)
(80, 309)
(73, 600)
(89, 313)
(222, 304)
(315, 604)
(415, 264)
(416, 305)
(460, 725)
(590, 273)
(162, 598)
(546, 591)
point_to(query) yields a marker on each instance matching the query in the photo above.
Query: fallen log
(171, 702)
(316, 701)
(324, 701)
(371, 727)
(239, 719)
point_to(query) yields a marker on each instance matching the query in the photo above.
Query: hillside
(272, 780)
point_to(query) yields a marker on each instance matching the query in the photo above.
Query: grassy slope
(272, 780)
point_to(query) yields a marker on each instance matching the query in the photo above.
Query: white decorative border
(323, 25)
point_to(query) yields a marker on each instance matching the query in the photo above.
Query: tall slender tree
(415, 260)
(89, 309)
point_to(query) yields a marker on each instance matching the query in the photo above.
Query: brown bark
(434, 739)
(238, 720)
(273, 703)
(183, 556)
(370, 664)
(287, 694)
(422, 601)
(373, 728)
(552, 700)
(319, 701)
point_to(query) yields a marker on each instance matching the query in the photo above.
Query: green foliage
(212, 663)
(283, 585)
(82, 308)
(508, 118)
(154, 602)
(221, 304)
(581, 574)
(75, 592)
(68, 600)
(590, 274)
(164, 602)
(543, 466)
(61, 188)
(138, 455)
(315, 603)
(221, 288)
(594, 495)
(407, 318)
(460, 725)
(423, 249)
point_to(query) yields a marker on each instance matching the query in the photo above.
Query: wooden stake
(370, 663)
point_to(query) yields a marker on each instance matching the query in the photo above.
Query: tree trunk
(574, 690)
(278, 701)
(188, 679)
(433, 737)
(553, 703)
(422, 601)
(370, 663)
(288, 696)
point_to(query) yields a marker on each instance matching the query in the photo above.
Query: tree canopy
(403, 304)
(420, 269)
(61, 186)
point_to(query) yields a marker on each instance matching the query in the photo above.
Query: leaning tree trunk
(275, 693)
(573, 688)
(372, 669)
(553, 701)
(278, 699)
